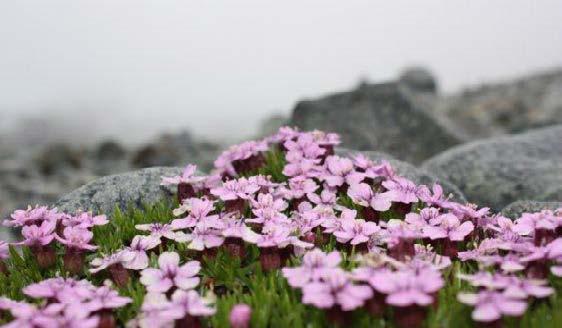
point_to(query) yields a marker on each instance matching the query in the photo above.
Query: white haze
(133, 68)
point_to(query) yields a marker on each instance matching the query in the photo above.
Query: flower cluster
(68, 303)
(41, 227)
(347, 234)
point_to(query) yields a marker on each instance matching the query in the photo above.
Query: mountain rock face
(390, 117)
(498, 171)
(132, 188)
(511, 107)
(407, 170)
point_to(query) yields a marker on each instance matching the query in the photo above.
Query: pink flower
(60, 289)
(240, 316)
(469, 211)
(435, 197)
(199, 209)
(39, 235)
(228, 163)
(305, 167)
(77, 238)
(362, 194)
(187, 177)
(491, 305)
(84, 220)
(187, 303)
(551, 251)
(335, 224)
(529, 222)
(306, 218)
(408, 287)
(304, 148)
(158, 230)
(206, 234)
(283, 134)
(405, 191)
(4, 250)
(448, 226)
(266, 202)
(315, 265)
(235, 228)
(30, 216)
(105, 298)
(355, 231)
(119, 257)
(137, 252)
(338, 171)
(326, 200)
(170, 274)
(336, 289)
(299, 186)
(236, 189)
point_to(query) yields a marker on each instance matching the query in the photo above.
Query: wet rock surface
(379, 117)
(515, 209)
(132, 188)
(498, 171)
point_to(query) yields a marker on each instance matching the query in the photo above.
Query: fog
(132, 68)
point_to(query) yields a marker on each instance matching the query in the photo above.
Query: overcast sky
(132, 68)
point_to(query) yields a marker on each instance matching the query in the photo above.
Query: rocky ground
(462, 140)
(41, 175)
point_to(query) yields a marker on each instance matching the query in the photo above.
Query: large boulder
(510, 107)
(385, 117)
(515, 209)
(133, 188)
(499, 171)
(407, 170)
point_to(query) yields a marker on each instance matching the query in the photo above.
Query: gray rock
(510, 107)
(104, 194)
(378, 116)
(499, 171)
(419, 79)
(407, 170)
(514, 210)
(109, 150)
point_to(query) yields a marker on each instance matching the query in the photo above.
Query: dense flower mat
(285, 234)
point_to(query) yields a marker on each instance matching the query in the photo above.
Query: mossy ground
(234, 280)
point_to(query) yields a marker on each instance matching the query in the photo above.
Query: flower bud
(240, 316)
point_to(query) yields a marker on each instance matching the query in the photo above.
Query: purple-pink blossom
(336, 289)
(170, 274)
(408, 287)
(78, 238)
(240, 316)
(315, 265)
(491, 305)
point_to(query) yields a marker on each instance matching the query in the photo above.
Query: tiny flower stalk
(235, 247)
(188, 322)
(119, 275)
(185, 191)
(270, 258)
(107, 319)
(249, 165)
(76, 241)
(338, 317)
(544, 236)
(39, 239)
(236, 205)
(45, 255)
(411, 316)
(403, 250)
